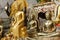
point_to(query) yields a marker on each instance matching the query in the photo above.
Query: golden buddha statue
(17, 25)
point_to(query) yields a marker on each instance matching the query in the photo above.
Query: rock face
(3, 13)
(3, 3)
(31, 2)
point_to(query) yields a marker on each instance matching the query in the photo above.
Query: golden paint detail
(18, 29)
(18, 5)
(17, 25)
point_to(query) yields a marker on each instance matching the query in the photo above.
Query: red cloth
(58, 25)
